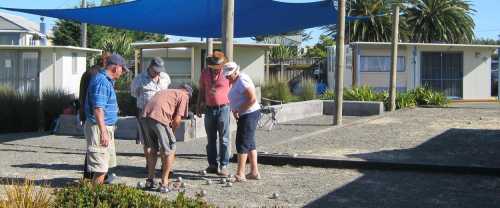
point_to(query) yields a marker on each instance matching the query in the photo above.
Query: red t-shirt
(216, 87)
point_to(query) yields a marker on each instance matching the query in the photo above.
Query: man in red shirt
(163, 115)
(214, 89)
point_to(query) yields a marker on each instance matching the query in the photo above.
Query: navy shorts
(245, 133)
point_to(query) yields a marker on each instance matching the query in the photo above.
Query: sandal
(253, 177)
(239, 178)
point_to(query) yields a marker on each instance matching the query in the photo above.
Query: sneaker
(212, 169)
(163, 189)
(223, 171)
(110, 179)
(150, 183)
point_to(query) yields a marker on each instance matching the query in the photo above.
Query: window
(380, 63)
(74, 63)
(9, 39)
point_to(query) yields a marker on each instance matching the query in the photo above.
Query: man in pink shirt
(214, 89)
(163, 115)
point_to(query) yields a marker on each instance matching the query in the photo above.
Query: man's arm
(99, 117)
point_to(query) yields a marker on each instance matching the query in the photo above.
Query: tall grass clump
(364, 93)
(428, 96)
(328, 95)
(26, 195)
(53, 103)
(308, 90)
(89, 195)
(278, 90)
(20, 112)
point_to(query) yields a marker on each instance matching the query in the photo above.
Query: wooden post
(354, 67)
(228, 28)
(340, 63)
(138, 60)
(266, 58)
(394, 57)
(210, 46)
(83, 29)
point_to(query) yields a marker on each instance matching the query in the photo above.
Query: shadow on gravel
(54, 182)
(50, 166)
(465, 147)
(20, 136)
(140, 172)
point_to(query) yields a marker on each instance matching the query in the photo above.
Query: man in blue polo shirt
(101, 110)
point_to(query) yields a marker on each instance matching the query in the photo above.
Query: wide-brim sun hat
(230, 68)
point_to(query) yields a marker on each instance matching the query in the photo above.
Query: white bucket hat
(231, 68)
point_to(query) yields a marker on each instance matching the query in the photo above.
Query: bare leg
(242, 160)
(98, 178)
(168, 162)
(152, 158)
(254, 169)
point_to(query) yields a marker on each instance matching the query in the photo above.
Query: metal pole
(210, 46)
(228, 28)
(340, 63)
(83, 28)
(394, 56)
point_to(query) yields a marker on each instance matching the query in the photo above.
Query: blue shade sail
(201, 18)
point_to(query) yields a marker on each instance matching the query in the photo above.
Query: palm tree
(447, 21)
(374, 24)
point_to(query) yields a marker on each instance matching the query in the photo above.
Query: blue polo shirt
(101, 94)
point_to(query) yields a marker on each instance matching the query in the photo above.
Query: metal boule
(141, 185)
(295, 155)
(179, 179)
(229, 184)
(208, 182)
(223, 181)
(275, 195)
(183, 185)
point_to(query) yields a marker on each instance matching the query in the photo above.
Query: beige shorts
(99, 158)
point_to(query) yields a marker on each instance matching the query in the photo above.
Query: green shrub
(427, 96)
(20, 112)
(278, 90)
(53, 103)
(88, 195)
(126, 103)
(364, 93)
(328, 95)
(308, 90)
(405, 100)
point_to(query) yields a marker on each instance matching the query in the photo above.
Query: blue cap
(116, 59)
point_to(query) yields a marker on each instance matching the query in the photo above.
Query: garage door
(443, 71)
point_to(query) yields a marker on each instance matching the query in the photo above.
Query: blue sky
(486, 18)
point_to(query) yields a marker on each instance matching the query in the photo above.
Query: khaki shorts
(159, 137)
(99, 158)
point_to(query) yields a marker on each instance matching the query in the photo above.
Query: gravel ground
(448, 136)
(452, 136)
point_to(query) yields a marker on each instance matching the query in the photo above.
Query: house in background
(33, 69)
(461, 71)
(17, 30)
(184, 60)
(28, 64)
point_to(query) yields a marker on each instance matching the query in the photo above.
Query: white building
(459, 70)
(16, 30)
(37, 68)
(184, 60)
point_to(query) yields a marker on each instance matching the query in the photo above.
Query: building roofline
(425, 44)
(189, 44)
(14, 47)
